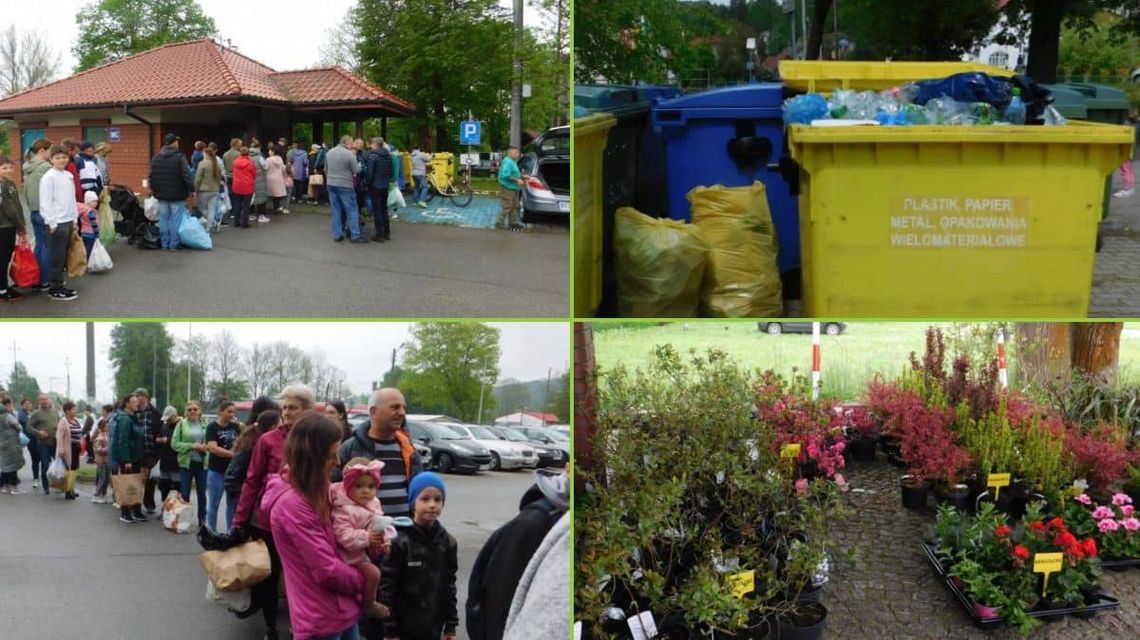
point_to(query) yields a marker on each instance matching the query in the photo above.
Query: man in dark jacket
(171, 185)
(504, 557)
(151, 421)
(377, 177)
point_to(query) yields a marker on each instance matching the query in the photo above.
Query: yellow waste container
(823, 76)
(441, 167)
(952, 222)
(590, 136)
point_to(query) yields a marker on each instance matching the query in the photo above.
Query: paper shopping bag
(237, 568)
(128, 488)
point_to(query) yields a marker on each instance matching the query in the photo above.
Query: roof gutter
(149, 129)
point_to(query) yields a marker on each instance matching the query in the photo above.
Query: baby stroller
(133, 225)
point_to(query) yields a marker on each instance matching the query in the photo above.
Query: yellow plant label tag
(790, 450)
(1047, 563)
(997, 481)
(742, 583)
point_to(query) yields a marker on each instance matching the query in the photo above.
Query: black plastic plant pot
(1046, 607)
(805, 622)
(1002, 504)
(862, 449)
(956, 495)
(890, 444)
(674, 628)
(1133, 491)
(914, 493)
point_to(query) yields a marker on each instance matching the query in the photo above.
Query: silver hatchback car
(545, 165)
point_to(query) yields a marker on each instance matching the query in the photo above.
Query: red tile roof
(545, 417)
(188, 71)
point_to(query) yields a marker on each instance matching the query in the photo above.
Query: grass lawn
(847, 360)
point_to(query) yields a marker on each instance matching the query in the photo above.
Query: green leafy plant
(1044, 463)
(990, 439)
(948, 527)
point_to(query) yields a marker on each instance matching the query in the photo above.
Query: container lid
(598, 123)
(823, 76)
(1069, 103)
(748, 96)
(611, 98)
(1100, 96)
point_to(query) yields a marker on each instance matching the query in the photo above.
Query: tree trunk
(818, 24)
(1045, 40)
(585, 401)
(1043, 353)
(1096, 349)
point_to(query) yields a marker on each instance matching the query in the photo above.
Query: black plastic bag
(967, 87)
(149, 238)
(209, 540)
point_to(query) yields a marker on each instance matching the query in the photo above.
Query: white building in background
(1012, 57)
(527, 419)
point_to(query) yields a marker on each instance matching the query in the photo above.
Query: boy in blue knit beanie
(417, 581)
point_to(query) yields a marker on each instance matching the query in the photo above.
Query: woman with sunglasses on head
(189, 440)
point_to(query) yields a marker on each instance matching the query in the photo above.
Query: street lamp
(750, 45)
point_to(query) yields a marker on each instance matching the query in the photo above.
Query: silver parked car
(505, 455)
(545, 165)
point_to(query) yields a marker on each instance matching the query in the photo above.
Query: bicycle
(457, 188)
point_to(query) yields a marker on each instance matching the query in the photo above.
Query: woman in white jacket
(59, 211)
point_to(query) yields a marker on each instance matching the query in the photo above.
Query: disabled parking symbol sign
(469, 132)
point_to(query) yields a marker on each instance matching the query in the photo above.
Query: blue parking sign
(469, 132)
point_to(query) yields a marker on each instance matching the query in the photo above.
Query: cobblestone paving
(889, 590)
(1116, 278)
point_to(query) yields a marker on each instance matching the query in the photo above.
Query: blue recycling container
(732, 136)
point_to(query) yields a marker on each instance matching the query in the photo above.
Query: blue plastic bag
(193, 235)
(966, 87)
(24, 439)
(804, 108)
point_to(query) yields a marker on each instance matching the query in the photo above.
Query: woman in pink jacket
(324, 591)
(267, 459)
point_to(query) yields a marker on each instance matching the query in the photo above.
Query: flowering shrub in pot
(1100, 455)
(931, 453)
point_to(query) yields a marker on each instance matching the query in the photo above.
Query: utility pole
(395, 374)
(516, 78)
(15, 361)
(189, 360)
(546, 396)
(154, 372)
(67, 367)
(90, 363)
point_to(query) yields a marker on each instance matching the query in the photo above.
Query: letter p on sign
(469, 133)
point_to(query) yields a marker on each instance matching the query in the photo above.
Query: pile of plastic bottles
(896, 106)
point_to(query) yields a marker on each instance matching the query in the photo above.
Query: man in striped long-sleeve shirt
(384, 439)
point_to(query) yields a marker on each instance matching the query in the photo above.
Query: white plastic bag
(395, 197)
(99, 260)
(236, 601)
(177, 514)
(57, 471)
(150, 209)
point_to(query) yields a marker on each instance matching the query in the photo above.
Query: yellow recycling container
(442, 169)
(823, 76)
(590, 136)
(952, 221)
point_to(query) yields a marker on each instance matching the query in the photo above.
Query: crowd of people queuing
(65, 182)
(350, 517)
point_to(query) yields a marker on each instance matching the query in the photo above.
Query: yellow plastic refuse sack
(742, 279)
(660, 265)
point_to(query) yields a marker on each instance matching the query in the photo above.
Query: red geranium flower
(1075, 551)
(1021, 552)
(1089, 546)
(1058, 524)
(1002, 531)
(1037, 526)
(1065, 539)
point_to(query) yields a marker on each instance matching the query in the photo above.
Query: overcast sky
(362, 350)
(284, 34)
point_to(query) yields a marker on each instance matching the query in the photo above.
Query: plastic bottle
(1015, 112)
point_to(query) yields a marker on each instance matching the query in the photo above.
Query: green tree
(448, 363)
(559, 401)
(140, 355)
(232, 390)
(393, 377)
(622, 41)
(453, 57)
(114, 29)
(1043, 20)
(21, 384)
(916, 30)
(1099, 49)
(513, 396)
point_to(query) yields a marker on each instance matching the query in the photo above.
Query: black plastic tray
(1124, 562)
(1105, 603)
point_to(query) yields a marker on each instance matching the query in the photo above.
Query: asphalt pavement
(70, 569)
(290, 267)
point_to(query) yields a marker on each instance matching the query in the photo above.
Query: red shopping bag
(25, 270)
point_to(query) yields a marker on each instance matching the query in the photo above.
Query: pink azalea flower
(1132, 524)
(813, 451)
(1107, 525)
(841, 482)
(1101, 513)
(1127, 509)
(1083, 499)
(802, 489)
(1121, 499)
